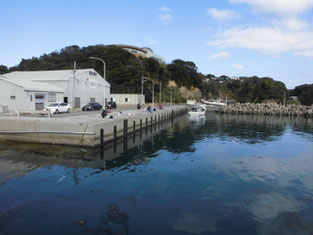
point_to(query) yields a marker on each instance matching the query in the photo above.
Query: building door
(92, 100)
(39, 102)
(65, 100)
(77, 102)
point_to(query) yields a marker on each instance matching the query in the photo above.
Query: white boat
(196, 111)
(217, 102)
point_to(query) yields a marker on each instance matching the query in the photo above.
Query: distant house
(33, 90)
(144, 52)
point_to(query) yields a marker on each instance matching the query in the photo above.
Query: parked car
(111, 105)
(92, 106)
(58, 108)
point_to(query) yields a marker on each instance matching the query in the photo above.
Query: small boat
(217, 102)
(196, 111)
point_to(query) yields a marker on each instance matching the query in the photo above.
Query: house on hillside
(33, 90)
(144, 52)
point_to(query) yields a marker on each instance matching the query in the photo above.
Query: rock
(269, 109)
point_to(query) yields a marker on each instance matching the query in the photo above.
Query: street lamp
(96, 58)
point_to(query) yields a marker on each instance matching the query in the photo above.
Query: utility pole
(74, 77)
(152, 93)
(141, 98)
(160, 94)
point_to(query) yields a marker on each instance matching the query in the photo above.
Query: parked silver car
(56, 108)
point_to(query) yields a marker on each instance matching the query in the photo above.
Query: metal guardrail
(48, 132)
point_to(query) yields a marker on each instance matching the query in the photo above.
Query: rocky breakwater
(269, 109)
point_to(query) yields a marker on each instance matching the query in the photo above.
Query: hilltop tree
(3, 69)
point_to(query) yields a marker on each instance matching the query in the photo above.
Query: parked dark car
(111, 105)
(92, 106)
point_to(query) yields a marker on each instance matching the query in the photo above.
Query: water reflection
(221, 174)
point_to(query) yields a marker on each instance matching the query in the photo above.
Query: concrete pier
(82, 130)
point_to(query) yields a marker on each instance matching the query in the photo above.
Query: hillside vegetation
(124, 72)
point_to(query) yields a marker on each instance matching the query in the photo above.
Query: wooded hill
(124, 72)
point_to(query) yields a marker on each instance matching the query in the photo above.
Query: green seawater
(220, 174)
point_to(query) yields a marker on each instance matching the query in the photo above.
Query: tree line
(124, 72)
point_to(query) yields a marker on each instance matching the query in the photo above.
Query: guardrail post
(101, 135)
(114, 132)
(125, 126)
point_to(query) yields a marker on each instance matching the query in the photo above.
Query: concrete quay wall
(71, 132)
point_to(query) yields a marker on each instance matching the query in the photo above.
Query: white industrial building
(128, 99)
(33, 90)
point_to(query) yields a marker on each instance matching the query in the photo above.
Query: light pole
(143, 79)
(96, 58)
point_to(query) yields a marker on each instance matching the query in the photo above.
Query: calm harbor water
(222, 174)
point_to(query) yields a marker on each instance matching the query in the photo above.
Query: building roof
(32, 86)
(51, 75)
(37, 80)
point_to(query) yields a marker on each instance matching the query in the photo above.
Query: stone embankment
(269, 109)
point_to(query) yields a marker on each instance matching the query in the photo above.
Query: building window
(12, 97)
(52, 97)
(92, 74)
(112, 99)
(92, 100)
(127, 99)
(31, 97)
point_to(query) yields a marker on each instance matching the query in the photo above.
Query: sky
(271, 38)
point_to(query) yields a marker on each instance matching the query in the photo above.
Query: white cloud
(267, 40)
(219, 55)
(165, 15)
(165, 9)
(293, 24)
(237, 66)
(221, 14)
(278, 6)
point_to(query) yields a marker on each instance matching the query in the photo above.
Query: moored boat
(196, 111)
(217, 102)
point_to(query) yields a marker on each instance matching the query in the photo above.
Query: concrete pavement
(67, 130)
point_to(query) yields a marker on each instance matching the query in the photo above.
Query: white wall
(24, 100)
(8, 90)
(133, 99)
(86, 86)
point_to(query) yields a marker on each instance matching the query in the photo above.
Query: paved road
(96, 113)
